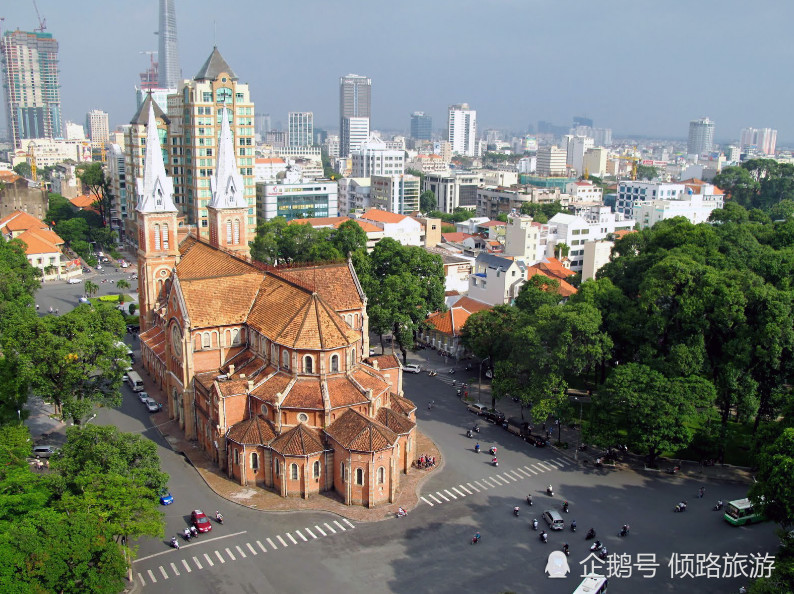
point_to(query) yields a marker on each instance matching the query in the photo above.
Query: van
(554, 519)
(44, 451)
(135, 382)
(477, 409)
(412, 368)
(592, 584)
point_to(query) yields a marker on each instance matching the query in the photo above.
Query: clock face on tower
(176, 341)
(223, 95)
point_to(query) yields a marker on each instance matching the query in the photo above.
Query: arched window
(206, 340)
(294, 472)
(308, 364)
(263, 408)
(359, 476)
(285, 359)
(255, 461)
(316, 469)
(236, 231)
(381, 475)
(228, 230)
(236, 336)
(157, 237)
(352, 356)
(165, 237)
(334, 363)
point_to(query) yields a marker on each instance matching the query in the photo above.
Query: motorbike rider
(174, 542)
(476, 537)
(549, 490)
(625, 530)
(401, 512)
(193, 531)
(535, 524)
(493, 450)
(543, 536)
(186, 533)
(565, 506)
(495, 462)
(468, 433)
(529, 499)
(515, 510)
(591, 533)
(565, 548)
(573, 526)
(219, 516)
(477, 447)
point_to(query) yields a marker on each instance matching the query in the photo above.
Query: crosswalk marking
(487, 484)
(173, 566)
(450, 494)
(530, 470)
(303, 538)
(162, 571)
(281, 540)
(197, 562)
(209, 561)
(140, 577)
(291, 538)
(220, 557)
(442, 496)
(523, 473)
(484, 487)
(508, 475)
(340, 525)
(151, 576)
(433, 498)
(459, 492)
(426, 501)
(272, 544)
(497, 481)
(348, 522)
(310, 533)
(465, 489)
(539, 468)
(320, 530)
(473, 487)
(261, 546)
(556, 463)
(329, 527)
(515, 473)
(252, 549)
(239, 550)
(186, 566)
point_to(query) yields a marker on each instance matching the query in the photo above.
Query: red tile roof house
(444, 328)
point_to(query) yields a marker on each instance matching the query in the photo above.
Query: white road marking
(497, 481)
(459, 492)
(530, 470)
(434, 498)
(187, 567)
(552, 463)
(303, 538)
(320, 530)
(348, 522)
(564, 461)
(281, 540)
(292, 538)
(440, 494)
(151, 576)
(426, 501)
(209, 561)
(220, 557)
(165, 575)
(524, 473)
(198, 563)
(473, 487)
(261, 546)
(484, 487)
(465, 489)
(239, 550)
(310, 533)
(140, 577)
(272, 544)
(539, 467)
(515, 473)
(203, 541)
(340, 525)
(173, 566)
(329, 527)
(450, 494)
(252, 549)
(508, 475)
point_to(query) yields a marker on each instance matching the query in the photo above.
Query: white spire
(228, 187)
(156, 191)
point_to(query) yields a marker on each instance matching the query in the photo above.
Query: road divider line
(195, 544)
(329, 527)
(151, 576)
(320, 530)
(209, 561)
(473, 487)
(458, 492)
(465, 489)
(440, 494)
(239, 550)
(252, 549)
(434, 499)
(292, 538)
(303, 538)
(281, 540)
(198, 563)
(426, 501)
(310, 533)
(340, 525)
(348, 522)
(173, 567)
(186, 566)
(220, 557)
(162, 571)
(261, 546)
(450, 494)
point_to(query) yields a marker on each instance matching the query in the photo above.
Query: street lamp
(479, 380)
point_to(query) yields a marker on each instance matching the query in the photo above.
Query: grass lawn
(110, 299)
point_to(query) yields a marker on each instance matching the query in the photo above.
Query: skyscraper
(168, 71)
(463, 129)
(355, 103)
(701, 137)
(96, 125)
(762, 140)
(301, 128)
(421, 126)
(32, 89)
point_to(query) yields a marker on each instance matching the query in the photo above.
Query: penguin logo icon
(557, 565)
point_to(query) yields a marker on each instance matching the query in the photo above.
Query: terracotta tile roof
(472, 305)
(320, 221)
(305, 393)
(21, 221)
(455, 237)
(201, 260)
(383, 216)
(385, 361)
(555, 268)
(154, 338)
(48, 235)
(83, 201)
(265, 160)
(395, 421)
(623, 233)
(354, 431)
(565, 289)
(402, 405)
(343, 392)
(228, 388)
(270, 387)
(298, 441)
(220, 301)
(449, 322)
(8, 176)
(207, 378)
(493, 224)
(35, 244)
(368, 227)
(369, 379)
(336, 283)
(253, 431)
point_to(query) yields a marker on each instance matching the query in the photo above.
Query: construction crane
(634, 160)
(42, 22)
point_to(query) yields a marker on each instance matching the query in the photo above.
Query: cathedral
(266, 368)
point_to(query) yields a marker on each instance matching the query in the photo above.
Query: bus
(740, 512)
(592, 584)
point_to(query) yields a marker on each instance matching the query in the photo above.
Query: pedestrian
(39, 465)
(50, 308)
(37, 307)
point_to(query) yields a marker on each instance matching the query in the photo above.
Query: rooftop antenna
(42, 22)
(214, 33)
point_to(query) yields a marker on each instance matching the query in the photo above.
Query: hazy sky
(639, 67)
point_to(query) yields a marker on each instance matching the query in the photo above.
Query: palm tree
(122, 284)
(91, 288)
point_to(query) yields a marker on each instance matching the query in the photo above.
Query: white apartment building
(428, 163)
(576, 148)
(695, 208)
(463, 129)
(584, 191)
(355, 131)
(116, 173)
(74, 131)
(524, 239)
(496, 280)
(300, 128)
(97, 127)
(399, 227)
(395, 193)
(575, 231)
(633, 193)
(527, 164)
(267, 169)
(596, 254)
(595, 161)
(497, 177)
(457, 189)
(51, 152)
(551, 161)
(374, 158)
(491, 202)
(354, 195)
(297, 200)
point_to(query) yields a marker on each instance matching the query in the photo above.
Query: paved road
(63, 296)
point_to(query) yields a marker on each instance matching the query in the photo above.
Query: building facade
(701, 137)
(97, 127)
(32, 85)
(453, 190)
(355, 111)
(421, 126)
(373, 157)
(298, 200)
(168, 71)
(462, 128)
(395, 193)
(551, 161)
(300, 130)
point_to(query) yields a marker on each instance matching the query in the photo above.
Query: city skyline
(511, 78)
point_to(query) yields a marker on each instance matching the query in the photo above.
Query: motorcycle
(193, 532)
(624, 531)
(602, 554)
(515, 511)
(458, 392)
(451, 372)
(550, 491)
(544, 537)
(590, 534)
(477, 449)
(175, 542)
(573, 526)
(476, 428)
(401, 513)
(565, 507)
(186, 534)
(476, 538)
(495, 462)
(680, 507)
(535, 524)
(718, 506)
(565, 549)
(595, 546)
(529, 499)
(432, 373)
(219, 517)
(468, 433)
(492, 451)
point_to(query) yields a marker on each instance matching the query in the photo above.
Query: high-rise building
(96, 124)
(355, 103)
(395, 193)
(701, 137)
(463, 129)
(375, 158)
(762, 140)
(551, 161)
(193, 140)
(32, 88)
(575, 150)
(421, 126)
(168, 71)
(301, 128)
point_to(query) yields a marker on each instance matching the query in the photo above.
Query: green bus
(740, 512)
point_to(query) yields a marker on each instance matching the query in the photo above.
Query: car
(86, 269)
(99, 266)
(165, 497)
(125, 265)
(200, 520)
(152, 405)
(478, 409)
(74, 281)
(371, 352)
(412, 368)
(489, 374)
(142, 396)
(44, 451)
(83, 300)
(553, 519)
(494, 416)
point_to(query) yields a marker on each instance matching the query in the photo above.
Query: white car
(74, 281)
(412, 368)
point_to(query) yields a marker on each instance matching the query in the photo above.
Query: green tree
(94, 180)
(773, 492)
(539, 290)
(91, 288)
(487, 333)
(648, 412)
(646, 172)
(23, 169)
(738, 185)
(428, 201)
(73, 230)
(349, 238)
(59, 209)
